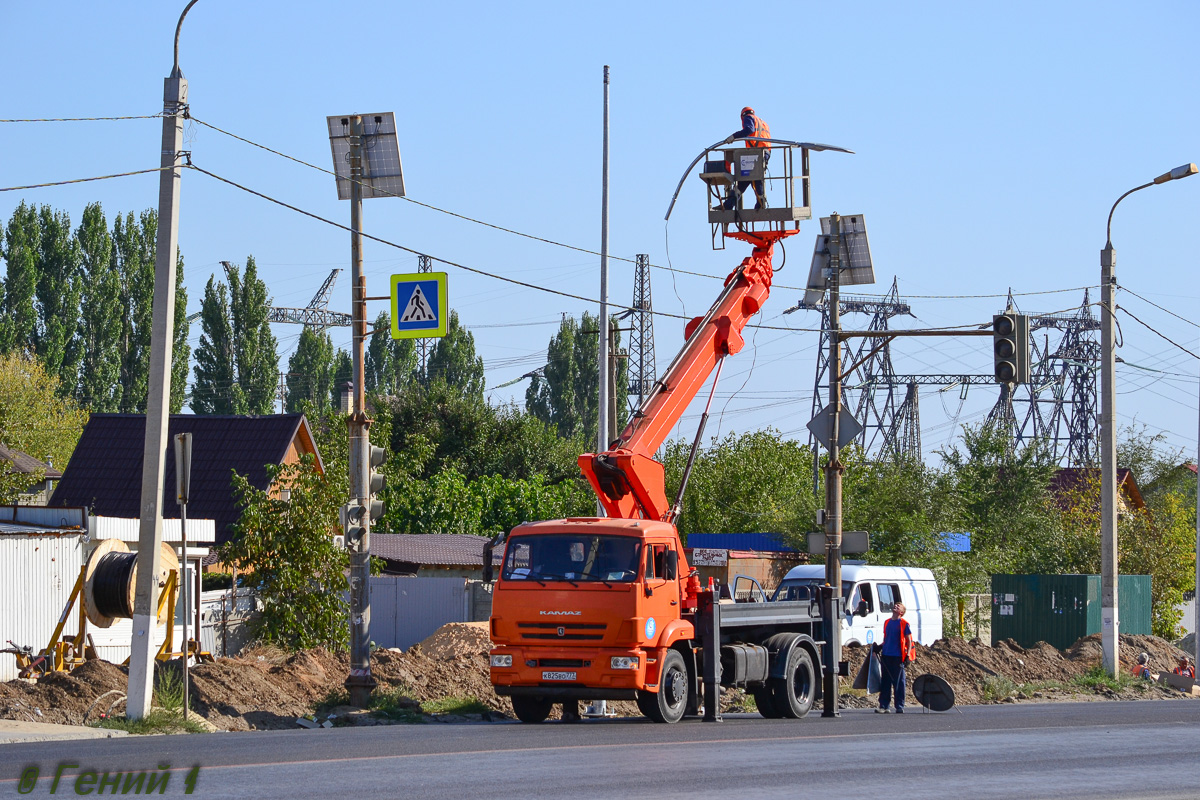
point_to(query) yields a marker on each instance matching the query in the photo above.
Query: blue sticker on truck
(870, 636)
(650, 628)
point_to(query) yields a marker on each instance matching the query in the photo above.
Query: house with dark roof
(440, 555)
(25, 464)
(1070, 482)
(105, 471)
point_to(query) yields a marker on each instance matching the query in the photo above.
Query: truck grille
(563, 662)
(571, 631)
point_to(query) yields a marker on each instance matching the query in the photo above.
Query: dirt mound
(267, 688)
(457, 640)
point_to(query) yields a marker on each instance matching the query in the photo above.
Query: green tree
(255, 353)
(215, 390)
(343, 373)
(452, 359)
(34, 416)
(22, 247)
(299, 573)
(134, 246)
(310, 372)
(568, 394)
(58, 297)
(100, 317)
(181, 351)
(391, 364)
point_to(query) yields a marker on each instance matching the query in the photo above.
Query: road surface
(1141, 749)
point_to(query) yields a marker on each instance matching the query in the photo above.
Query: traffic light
(1010, 344)
(353, 525)
(375, 480)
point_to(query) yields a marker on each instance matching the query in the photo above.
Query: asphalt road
(1142, 749)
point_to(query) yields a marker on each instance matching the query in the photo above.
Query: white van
(879, 588)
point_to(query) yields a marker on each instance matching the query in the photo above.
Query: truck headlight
(501, 661)
(624, 662)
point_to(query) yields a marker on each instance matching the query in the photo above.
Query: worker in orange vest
(896, 650)
(1142, 668)
(752, 126)
(1185, 668)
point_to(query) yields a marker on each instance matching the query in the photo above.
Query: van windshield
(806, 589)
(572, 557)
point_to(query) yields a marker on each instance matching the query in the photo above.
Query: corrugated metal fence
(406, 610)
(37, 574)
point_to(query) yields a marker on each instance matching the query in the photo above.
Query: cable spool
(110, 582)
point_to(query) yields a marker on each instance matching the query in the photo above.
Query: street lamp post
(1109, 621)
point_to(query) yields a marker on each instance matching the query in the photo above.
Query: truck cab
(586, 609)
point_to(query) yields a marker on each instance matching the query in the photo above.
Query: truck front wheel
(794, 692)
(670, 701)
(531, 709)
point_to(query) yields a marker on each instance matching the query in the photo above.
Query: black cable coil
(110, 584)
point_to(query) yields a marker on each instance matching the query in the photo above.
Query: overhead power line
(83, 180)
(1157, 333)
(84, 119)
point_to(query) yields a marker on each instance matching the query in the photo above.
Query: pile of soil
(968, 666)
(268, 689)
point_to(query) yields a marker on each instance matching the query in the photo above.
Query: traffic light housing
(353, 526)
(375, 480)
(1010, 346)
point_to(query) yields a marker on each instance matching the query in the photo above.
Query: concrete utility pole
(162, 333)
(833, 477)
(360, 683)
(602, 439)
(1109, 604)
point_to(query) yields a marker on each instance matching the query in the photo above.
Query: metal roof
(762, 542)
(433, 549)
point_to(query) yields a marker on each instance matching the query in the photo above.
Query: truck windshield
(805, 589)
(572, 557)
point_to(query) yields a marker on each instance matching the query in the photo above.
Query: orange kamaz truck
(606, 608)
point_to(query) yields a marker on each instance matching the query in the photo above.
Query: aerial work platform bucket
(740, 178)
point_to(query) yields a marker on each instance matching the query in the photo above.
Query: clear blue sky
(990, 143)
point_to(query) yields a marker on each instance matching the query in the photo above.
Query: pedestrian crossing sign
(420, 309)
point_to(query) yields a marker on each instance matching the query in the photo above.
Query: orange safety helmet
(747, 110)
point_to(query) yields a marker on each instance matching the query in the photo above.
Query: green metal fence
(1061, 609)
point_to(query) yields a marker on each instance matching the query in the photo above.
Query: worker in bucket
(1142, 668)
(896, 650)
(1185, 668)
(752, 125)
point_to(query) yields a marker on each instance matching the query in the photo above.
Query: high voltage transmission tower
(424, 264)
(642, 373)
(1059, 405)
(869, 385)
(316, 314)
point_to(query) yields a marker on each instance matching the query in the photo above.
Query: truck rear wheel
(670, 701)
(531, 709)
(793, 694)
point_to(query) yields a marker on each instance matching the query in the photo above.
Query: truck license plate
(558, 676)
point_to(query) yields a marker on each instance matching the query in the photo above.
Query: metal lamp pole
(1110, 623)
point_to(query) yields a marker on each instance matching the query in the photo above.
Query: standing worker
(752, 125)
(897, 650)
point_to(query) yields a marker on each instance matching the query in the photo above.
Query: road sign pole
(359, 683)
(833, 480)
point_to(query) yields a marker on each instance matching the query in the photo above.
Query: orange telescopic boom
(626, 478)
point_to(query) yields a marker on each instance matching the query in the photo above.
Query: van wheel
(765, 700)
(794, 692)
(531, 709)
(670, 701)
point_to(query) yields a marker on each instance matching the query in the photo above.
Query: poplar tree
(134, 245)
(567, 395)
(453, 360)
(310, 372)
(100, 317)
(22, 243)
(255, 353)
(58, 293)
(390, 363)
(181, 350)
(343, 373)
(215, 390)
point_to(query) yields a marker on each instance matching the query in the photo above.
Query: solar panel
(854, 257)
(383, 174)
